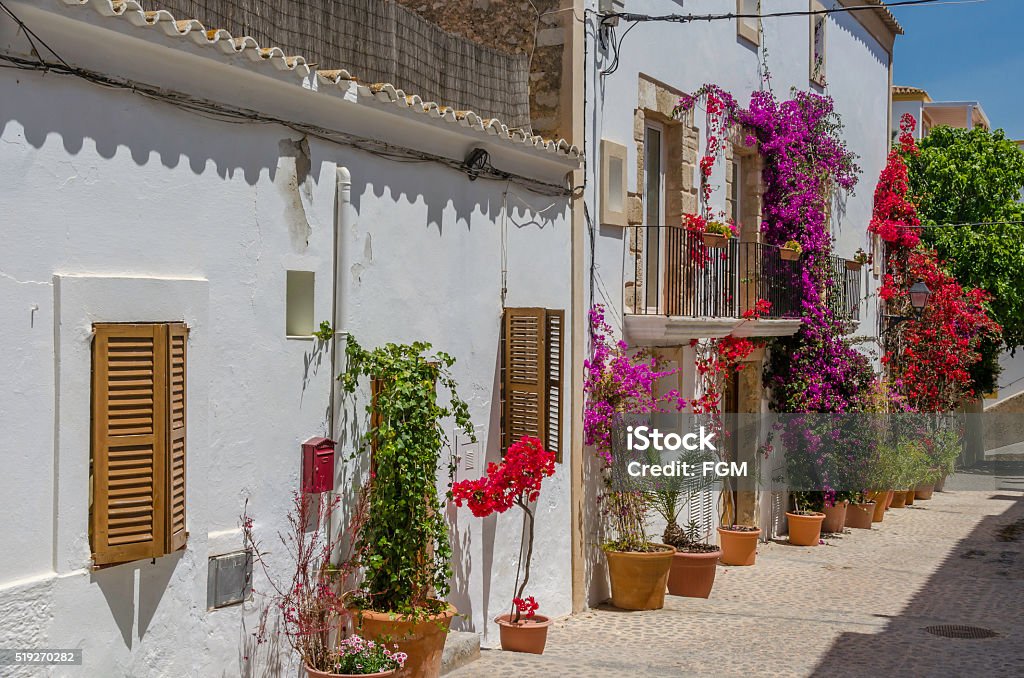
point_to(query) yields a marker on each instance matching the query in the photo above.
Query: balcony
(682, 289)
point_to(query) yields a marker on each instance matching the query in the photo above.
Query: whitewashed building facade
(643, 175)
(160, 173)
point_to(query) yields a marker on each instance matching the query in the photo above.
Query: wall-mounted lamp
(919, 296)
(476, 162)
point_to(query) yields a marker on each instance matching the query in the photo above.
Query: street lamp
(919, 296)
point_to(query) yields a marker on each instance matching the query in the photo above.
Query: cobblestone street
(857, 606)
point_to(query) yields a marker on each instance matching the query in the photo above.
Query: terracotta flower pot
(529, 635)
(738, 547)
(910, 497)
(940, 483)
(899, 499)
(805, 530)
(693, 574)
(860, 516)
(715, 241)
(853, 265)
(888, 499)
(835, 517)
(788, 254)
(423, 640)
(639, 579)
(881, 499)
(924, 491)
(313, 673)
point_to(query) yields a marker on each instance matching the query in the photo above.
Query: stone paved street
(856, 606)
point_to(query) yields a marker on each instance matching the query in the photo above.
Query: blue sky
(966, 52)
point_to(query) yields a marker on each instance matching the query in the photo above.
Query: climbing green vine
(404, 546)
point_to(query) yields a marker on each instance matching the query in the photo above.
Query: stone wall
(537, 28)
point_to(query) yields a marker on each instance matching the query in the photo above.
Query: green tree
(976, 176)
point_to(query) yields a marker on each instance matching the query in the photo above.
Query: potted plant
(861, 511)
(355, 656)
(695, 561)
(515, 481)
(620, 381)
(311, 601)
(859, 259)
(403, 544)
(717, 234)
(791, 251)
(836, 506)
(805, 520)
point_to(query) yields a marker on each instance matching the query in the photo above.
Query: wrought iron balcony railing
(676, 274)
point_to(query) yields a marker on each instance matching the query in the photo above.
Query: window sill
(300, 337)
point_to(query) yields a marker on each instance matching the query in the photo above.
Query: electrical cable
(690, 18)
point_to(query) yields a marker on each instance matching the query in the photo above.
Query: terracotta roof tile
(382, 92)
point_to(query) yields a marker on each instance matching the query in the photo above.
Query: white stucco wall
(120, 208)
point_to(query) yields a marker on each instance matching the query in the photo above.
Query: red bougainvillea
(931, 357)
(895, 216)
(516, 478)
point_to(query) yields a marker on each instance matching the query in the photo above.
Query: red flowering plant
(894, 217)
(929, 356)
(717, 361)
(516, 481)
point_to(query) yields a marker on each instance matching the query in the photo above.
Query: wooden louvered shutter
(554, 340)
(177, 355)
(129, 442)
(525, 373)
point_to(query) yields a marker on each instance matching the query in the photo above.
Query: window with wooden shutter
(532, 376)
(138, 441)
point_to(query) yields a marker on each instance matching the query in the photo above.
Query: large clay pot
(693, 574)
(738, 547)
(888, 499)
(909, 500)
(423, 640)
(529, 635)
(835, 517)
(940, 484)
(312, 673)
(860, 516)
(899, 499)
(924, 491)
(805, 530)
(639, 579)
(881, 499)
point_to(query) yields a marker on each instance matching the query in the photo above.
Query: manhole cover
(960, 631)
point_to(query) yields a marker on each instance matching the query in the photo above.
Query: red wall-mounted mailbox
(318, 465)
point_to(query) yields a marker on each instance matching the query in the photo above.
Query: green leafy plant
(404, 543)
(673, 494)
(719, 228)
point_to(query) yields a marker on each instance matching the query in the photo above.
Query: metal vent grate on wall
(229, 579)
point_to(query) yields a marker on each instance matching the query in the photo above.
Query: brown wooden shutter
(177, 360)
(554, 336)
(524, 358)
(129, 442)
